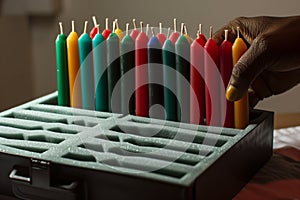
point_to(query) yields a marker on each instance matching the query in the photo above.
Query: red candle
(197, 94)
(95, 29)
(212, 89)
(161, 36)
(175, 34)
(141, 74)
(106, 32)
(135, 32)
(226, 65)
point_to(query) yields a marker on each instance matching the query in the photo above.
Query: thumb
(249, 66)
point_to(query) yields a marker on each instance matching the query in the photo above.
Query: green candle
(169, 72)
(100, 72)
(128, 80)
(63, 98)
(113, 71)
(86, 69)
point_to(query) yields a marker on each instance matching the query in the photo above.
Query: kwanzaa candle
(197, 94)
(63, 98)
(100, 72)
(135, 32)
(212, 90)
(86, 69)
(141, 74)
(155, 76)
(73, 68)
(106, 32)
(169, 72)
(182, 50)
(127, 80)
(241, 107)
(113, 72)
(226, 65)
(118, 31)
(175, 34)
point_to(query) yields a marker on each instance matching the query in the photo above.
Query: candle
(128, 80)
(182, 50)
(161, 36)
(118, 31)
(113, 72)
(95, 29)
(187, 35)
(175, 35)
(197, 94)
(226, 64)
(86, 70)
(141, 74)
(63, 98)
(169, 72)
(73, 68)
(106, 32)
(212, 80)
(135, 32)
(100, 72)
(241, 107)
(155, 76)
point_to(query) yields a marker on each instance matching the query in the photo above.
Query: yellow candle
(241, 107)
(73, 68)
(118, 31)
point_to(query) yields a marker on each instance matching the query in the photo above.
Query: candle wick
(238, 32)
(226, 35)
(200, 29)
(152, 30)
(73, 26)
(147, 29)
(61, 28)
(114, 26)
(169, 30)
(175, 24)
(142, 25)
(117, 24)
(134, 23)
(127, 28)
(160, 28)
(94, 21)
(98, 27)
(85, 26)
(210, 31)
(198, 34)
(106, 23)
(182, 28)
(185, 30)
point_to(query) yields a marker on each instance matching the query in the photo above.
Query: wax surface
(114, 73)
(120, 34)
(141, 75)
(100, 73)
(134, 33)
(128, 80)
(212, 81)
(73, 69)
(169, 72)
(182, 50)
(162, 38)
(86, 69)
(155, 76)
(241, 107)
(106, 33)
(197, 94)
(63, 98)
(226, 65)
(94, 32)
(174, 36)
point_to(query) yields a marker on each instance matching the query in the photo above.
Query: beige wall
(192, 12)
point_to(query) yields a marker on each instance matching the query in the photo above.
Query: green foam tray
(53, 152)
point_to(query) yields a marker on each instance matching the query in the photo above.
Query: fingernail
(231, 93)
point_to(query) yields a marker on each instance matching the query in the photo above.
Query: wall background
(43, 17)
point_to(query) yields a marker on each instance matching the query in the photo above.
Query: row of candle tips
(116, 28)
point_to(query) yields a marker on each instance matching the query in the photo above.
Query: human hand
(271, 65)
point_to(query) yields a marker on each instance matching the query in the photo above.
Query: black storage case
(48, 152)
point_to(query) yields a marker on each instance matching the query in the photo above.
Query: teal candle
(63, 98)
(169, 73)
(86, 70)
(182, 49)
(128, 80)
(114, 72)
(100, 73)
